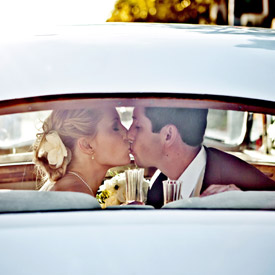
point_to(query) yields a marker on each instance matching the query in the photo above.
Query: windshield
(19, 130)
(63, 148)
(225, 126)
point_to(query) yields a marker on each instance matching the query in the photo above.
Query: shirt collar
(154, 177)
(193, 174)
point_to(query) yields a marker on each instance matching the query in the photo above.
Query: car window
(243, 134)
(225, 126)
(17, 131)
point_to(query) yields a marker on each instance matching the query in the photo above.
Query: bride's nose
(124, 133)
(130, 134)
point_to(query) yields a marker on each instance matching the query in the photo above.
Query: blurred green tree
(170, 11)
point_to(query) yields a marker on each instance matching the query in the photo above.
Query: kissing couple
(75, 149)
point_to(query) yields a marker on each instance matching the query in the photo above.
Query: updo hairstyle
(69, 125)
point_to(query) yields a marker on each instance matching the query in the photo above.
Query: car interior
(241, 127)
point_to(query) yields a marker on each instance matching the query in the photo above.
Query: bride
(77, 147)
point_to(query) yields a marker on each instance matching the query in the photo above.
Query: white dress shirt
(191, 178)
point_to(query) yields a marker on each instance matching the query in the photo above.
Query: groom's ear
(85, 145)
(169, 133)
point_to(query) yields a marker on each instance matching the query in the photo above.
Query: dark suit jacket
(221, 168)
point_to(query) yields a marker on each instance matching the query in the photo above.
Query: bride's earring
(93, 155)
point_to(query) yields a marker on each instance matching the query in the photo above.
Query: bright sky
(35, 14)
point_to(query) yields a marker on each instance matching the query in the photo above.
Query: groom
(170, 139)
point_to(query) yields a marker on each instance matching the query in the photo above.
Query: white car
(229, 70)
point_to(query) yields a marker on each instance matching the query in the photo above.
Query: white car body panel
(125, 58)
(138, 242)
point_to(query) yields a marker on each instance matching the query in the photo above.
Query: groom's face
(146, 145)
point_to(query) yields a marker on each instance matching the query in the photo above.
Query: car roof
(137, 58)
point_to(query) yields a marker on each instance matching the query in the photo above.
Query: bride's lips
(130, 150)
(131, 147)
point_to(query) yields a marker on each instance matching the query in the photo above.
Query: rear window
(243, 134)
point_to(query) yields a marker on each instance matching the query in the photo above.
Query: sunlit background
(38, 14)
(258, 13)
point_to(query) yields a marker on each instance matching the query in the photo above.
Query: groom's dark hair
(191, 123)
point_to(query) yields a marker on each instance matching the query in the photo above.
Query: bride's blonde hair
(69, 125)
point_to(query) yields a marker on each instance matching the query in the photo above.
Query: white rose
(121, 194)
(111, 201)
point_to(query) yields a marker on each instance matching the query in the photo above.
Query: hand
(218, 188)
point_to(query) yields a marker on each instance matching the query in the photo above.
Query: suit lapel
(155, 194)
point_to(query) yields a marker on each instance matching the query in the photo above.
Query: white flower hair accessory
(55, 149)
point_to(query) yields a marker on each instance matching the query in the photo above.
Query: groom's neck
(176, 161)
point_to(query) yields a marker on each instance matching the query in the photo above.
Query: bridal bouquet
(113, 191)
